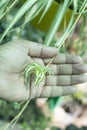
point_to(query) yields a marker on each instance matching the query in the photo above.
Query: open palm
(15, 55)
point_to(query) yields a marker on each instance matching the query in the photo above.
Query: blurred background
(61, 113)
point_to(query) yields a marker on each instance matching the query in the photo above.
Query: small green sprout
(38, 71)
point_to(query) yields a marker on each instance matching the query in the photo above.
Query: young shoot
(37, 71)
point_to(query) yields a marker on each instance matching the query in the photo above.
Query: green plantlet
(38, 71)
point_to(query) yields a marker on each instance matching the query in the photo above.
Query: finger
(68, 69)
(50, 91)
(39, 50)
(65, 80)
(65, 58)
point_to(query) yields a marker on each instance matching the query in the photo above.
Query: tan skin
(15, 55)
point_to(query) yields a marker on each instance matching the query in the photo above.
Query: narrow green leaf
(49, 3)
(60, 42)
(56, 22)
(34, 11)
(75, 4)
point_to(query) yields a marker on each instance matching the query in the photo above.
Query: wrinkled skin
(15, 55)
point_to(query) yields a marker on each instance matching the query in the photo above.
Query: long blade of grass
(75, 4)
(56, 22)
(61, 41)
(82, 5)
(49, 3)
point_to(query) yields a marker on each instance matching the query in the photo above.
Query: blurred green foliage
(31, 119)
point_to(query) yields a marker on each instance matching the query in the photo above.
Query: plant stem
(56, 22)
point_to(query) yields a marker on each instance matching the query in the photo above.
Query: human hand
(15, 55)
